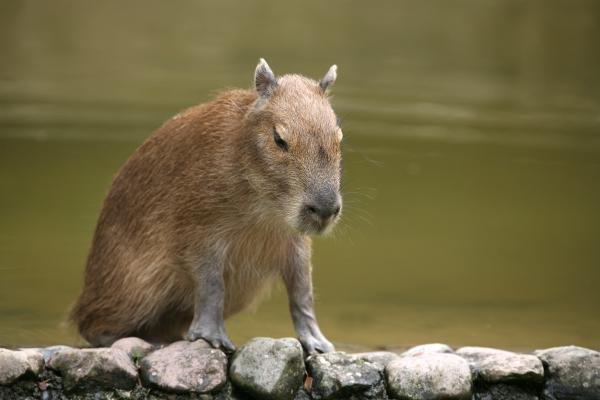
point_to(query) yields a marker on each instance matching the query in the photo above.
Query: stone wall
(275, 369)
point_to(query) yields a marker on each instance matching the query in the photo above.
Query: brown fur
(211, 179)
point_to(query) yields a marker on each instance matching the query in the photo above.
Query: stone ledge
(273, 369)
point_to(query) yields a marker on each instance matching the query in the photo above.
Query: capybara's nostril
(336, 211)
(312, 209)
(322, 212)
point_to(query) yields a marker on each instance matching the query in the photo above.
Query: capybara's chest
(254, 258)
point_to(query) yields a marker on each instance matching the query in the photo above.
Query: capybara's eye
(279, 141)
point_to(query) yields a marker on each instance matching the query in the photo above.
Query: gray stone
(102, 368)
(494, 366)
(16, 364)
(302, 395)
(339, 375)
(429, 376)
(269, 368)
(135, 348)
(185, 367)
(226, 393)
(380, 358)
(572, 373)
(503, 391)
(48, 352)
(431, 348)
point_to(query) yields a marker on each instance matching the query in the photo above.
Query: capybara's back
(218, 201)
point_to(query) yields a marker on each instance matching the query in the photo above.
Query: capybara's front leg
(298, 281)
(208, 323)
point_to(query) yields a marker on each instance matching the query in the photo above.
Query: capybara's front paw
(316, 344)
(217, 338)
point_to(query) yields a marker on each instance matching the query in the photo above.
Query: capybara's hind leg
(170, 327)
(159, 311)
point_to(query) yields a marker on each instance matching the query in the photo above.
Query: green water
(472, 156)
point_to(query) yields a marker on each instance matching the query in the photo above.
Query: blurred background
(472, 156)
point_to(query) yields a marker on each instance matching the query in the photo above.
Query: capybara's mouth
(311, 224)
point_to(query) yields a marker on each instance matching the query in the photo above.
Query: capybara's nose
(324, 211)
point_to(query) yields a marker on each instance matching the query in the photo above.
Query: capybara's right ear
(264, 79)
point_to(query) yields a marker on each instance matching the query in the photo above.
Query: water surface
(472, 156)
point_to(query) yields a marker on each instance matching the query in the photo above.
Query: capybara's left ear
(329, 78)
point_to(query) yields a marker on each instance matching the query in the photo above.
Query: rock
(572, 373)
(380, 358)
(48, 352)
(102, 368)
(16, 364)
(269, 368)
(429, 376)
(135, 348)
(185, 367)
(427, 349)
(302, 395)
(35, 360)
(503, 391)
(493, 366)
(339, 375)
(226, 392)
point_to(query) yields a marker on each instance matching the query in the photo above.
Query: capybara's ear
(264, 79)
(329, 78)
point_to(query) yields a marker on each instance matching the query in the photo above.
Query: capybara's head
(296, 149)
